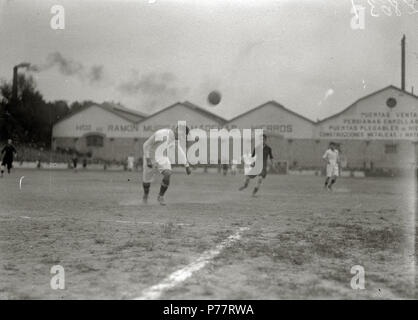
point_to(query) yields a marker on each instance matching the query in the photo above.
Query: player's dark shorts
(263, 174)
(7, 163)
(75, 163)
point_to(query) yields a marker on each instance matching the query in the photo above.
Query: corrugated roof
(120, 111)
(192, 107)
(131, 115)
(276, 104)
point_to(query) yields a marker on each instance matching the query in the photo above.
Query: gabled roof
(193, 107)
(131, 115)
(276, 104)
(368, 96)
(120, 111)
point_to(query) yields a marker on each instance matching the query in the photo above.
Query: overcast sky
(148, 54)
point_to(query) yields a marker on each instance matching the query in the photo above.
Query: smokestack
(14, 81)
(23, 65)
(14, 86)
(403, 64)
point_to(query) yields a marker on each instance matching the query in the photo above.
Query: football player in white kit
(155, 162)
(331, 157)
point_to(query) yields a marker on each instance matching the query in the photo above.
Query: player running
(154, 162)
(267, 153)
(331, 157)
(7, 152)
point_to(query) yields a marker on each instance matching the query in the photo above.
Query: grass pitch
(301, 243)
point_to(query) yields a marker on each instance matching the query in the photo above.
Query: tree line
(29, 119)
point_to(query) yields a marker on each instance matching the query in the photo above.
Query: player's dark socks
(146, 187)
(326, 182)
(163, 189)
(255, 191)
(245, 184)
(165, 183)
(332, 182)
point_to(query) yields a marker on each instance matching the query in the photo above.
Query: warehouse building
(111, 133)
(291, 135)
(105, 131)
(379, 130)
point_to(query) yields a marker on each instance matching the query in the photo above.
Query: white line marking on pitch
(25, 217)
(20, 182)
(122, 221)
(145, 222)
(132, 222)
(181, 275)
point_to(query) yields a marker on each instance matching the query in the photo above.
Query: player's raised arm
(325, 157)
(146, 148)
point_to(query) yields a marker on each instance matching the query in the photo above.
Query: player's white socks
(161, 200)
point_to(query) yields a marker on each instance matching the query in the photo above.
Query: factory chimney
(15, 79)
(14, 86)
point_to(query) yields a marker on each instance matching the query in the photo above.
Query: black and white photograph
(208, 150)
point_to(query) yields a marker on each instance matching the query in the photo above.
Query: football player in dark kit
(267, 153)
(7, 153)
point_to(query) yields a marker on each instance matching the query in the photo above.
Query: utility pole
(403, 64)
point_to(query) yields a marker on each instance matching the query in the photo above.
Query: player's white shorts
(332, 170)
(159, 165)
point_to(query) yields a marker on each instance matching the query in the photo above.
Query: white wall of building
(371, 119)
(98, 120)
